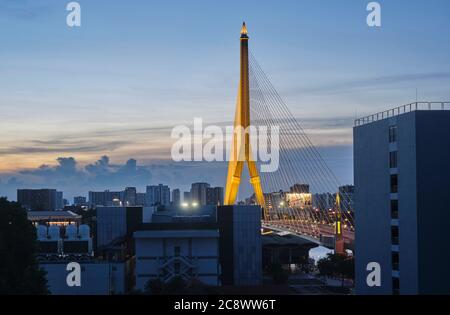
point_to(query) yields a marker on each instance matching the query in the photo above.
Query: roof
(177, 226)
(412, 107)
(48, 215)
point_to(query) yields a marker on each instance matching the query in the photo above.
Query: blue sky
(116, 85)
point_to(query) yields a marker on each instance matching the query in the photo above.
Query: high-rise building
(105, 198)
(187, 197)
(79, 201)
(129, 196)
(141, 199)
(158, 195)
(402, 172)
(59, 200)
(214, 196)
(38, 199)
(199, 193)
(176, 197)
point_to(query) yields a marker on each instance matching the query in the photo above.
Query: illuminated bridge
(286, 195)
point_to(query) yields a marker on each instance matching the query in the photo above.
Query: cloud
(370, 83)
(58, 146)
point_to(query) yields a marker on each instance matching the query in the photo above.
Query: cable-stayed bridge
(286, 194)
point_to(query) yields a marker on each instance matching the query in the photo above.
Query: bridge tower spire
(241, 150)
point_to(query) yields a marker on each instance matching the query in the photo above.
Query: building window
(394, 209)
(392, 134)
(393, 159)
(394, 235)
(177, 251)
(396, 286)
(394, 184)
(395, 261)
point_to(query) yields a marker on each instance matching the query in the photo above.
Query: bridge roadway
(318, 235)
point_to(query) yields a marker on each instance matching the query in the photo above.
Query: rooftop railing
(402, 110)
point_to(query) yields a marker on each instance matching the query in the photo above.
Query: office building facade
(402, 172)
(167, 250)
(240, 245)
(116, 222)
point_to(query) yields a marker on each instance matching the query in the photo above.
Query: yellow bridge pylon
(241, 150)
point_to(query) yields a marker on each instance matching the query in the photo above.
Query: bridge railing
(402, 110)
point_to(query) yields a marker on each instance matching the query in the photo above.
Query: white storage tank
(41, 232)
(71, 231)
(53, 232)
(84, 231)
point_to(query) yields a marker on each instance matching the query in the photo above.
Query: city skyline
(71, 96)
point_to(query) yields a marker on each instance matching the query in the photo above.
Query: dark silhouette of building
(38, 199)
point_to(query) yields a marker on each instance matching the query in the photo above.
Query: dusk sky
(117, 85)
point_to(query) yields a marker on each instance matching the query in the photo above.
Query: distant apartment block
(199, 193)
(105, 198)
(40, 199)
(203, 194)
(215, 196)
(176, 197)
(79, 201)
(130, 196)
(402, 184)
(158, 195)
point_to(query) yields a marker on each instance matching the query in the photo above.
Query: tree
(336, 265)
(19, 269)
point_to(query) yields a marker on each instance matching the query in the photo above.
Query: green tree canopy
(19, 270)
(335, 265)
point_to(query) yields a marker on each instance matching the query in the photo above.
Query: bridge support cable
(300, 161)
(303, 172)
(261, 117)
(304, 217)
